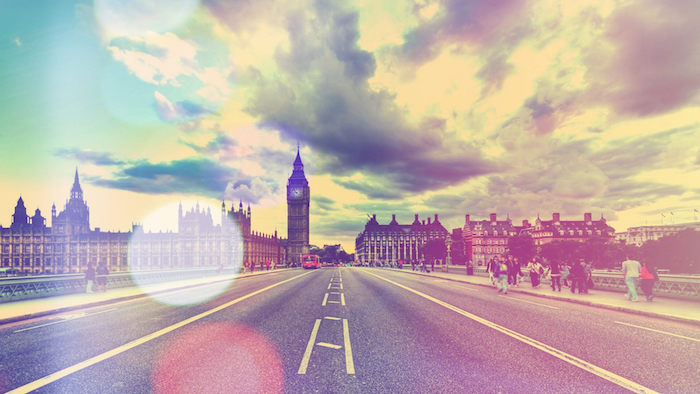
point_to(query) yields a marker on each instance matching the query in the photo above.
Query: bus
(310, 261)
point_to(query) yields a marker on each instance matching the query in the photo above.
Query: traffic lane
(32, 354)
(406, 343)
(197, 354)
(590, 333)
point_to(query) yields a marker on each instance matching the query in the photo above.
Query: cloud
(322, 205)
(252, 190)
(178, 111)
(462, 22)
(320, 96)
(650, 63)
(89, 156)
(186, 176)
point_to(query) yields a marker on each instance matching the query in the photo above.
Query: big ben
(298, 197)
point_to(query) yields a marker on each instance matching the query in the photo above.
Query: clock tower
(298, 196)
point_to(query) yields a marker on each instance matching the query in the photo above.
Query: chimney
(466, 220)
(436, 217)
(374, 216)
(493, 218)
(416, 218)
(393, 217)
(526, 223)
(587, 217)
(428, 220)
(555, 216)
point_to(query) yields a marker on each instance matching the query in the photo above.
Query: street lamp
(448, 259)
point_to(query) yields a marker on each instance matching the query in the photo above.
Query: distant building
(392, 242)
(546, 231)
(486, 239)
(298, 198)
(640, 235)
(69, 245)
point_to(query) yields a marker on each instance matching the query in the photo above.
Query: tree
(680, 253)
(434, 249)
(561, 251)
(522, 246)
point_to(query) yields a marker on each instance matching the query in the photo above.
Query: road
(350, 330)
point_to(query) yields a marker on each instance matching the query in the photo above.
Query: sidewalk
(667, 308)
(28, 309)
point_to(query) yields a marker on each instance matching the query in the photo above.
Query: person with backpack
(502, 275)
(647, 277)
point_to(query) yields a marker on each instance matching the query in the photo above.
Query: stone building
(389, 243)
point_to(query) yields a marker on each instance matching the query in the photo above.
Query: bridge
(349, 329)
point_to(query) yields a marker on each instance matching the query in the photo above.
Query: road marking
(329, 345)
(136, 342)
(333, 302)
(325, 299)
(329, 285)
(65, 319)
(331, 318)
(335, 292)
(573, 360)
(349, 364)
(659, 331)
(532, 302)
(342, 299)
(309, 347)
(341, 286)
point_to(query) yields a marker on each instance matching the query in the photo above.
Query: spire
(297, 161)
(76, 183)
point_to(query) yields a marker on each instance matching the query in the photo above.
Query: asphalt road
(350, 330)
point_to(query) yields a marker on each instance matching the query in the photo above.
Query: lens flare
(183, 242)
(137, 17)
(218, 358)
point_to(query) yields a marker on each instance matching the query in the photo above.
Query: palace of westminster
(69, 244)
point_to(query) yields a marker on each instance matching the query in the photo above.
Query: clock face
(296, 192)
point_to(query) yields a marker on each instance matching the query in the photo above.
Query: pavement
(33, 308)
(663, 307)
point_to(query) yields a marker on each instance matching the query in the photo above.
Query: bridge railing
(669, 285)
(20, 288)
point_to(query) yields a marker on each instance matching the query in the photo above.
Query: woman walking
(648, 276)
(555, 275)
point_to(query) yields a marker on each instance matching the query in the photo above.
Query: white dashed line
(334, 302)
(309, 347)
(65, 319)
(329, 345)
(534, 303)
(349, 364)
(331, 318)
(659, 331)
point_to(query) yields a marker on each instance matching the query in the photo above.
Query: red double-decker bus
(310, 261)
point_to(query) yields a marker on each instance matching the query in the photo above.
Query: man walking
(631, 269)
(90, 278)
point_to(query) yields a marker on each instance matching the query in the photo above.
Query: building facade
(389, 243)
(298, 198)
(640, 235)
(69, 245)
(486, 239)
(546, 231)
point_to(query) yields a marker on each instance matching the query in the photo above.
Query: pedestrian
(631, 270)
(102, 273)
(647, 278)
(502, 275)
(90, 278)
(413, 265)
(267, 265)
(252, 266)
(517, 273)
(555, 275)
(432, 265)
(491, 269)
(578, 276)
(401, 264)
(588, 269)
(534, 268)
(565, 268)
(511, 270)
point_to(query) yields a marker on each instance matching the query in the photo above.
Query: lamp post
(448, 259)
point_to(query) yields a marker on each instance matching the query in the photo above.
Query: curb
(572, 300)
(71, 308)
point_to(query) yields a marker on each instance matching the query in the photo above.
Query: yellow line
(573, 360)
(659, 331)
(325, 299)
(309, 347)
(111, 353)
(342, 299)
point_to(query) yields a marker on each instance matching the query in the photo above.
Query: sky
(400, 107)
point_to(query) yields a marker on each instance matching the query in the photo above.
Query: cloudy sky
(448, 107)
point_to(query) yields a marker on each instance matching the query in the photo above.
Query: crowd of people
(507, 271)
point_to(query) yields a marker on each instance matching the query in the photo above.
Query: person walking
(502, 275)
(647, 277)
(491, 269)
(555, 276)
(565, 272)
(90, 278)
(631, 269)
(534, 268)
(577, 275)
(102, 273)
